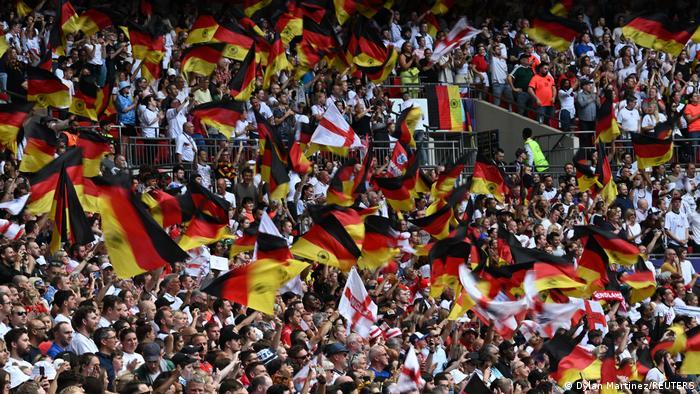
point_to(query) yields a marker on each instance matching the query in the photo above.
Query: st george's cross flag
(410, 379)
(334, 133)
(356, 306)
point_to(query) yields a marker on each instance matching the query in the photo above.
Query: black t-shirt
(430, 75)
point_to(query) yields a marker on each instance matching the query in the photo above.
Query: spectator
(542, 91)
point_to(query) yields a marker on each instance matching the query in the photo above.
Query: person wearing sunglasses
(18, 319)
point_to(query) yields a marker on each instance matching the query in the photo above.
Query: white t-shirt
(82, 344)
(176, 119)
(129, 357)
(628, 119)
(229, 197)
(676, 224)
(655, 375)
(666, 312)
(186, 147)
(649, 120)
(149, 122)
(687, 270)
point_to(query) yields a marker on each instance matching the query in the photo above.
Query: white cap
(172, 72)
(17, 377)
(104, 266)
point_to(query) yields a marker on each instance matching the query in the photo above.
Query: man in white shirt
(64, 300)
(628, 118)
(84, 323)
(221, 192)
(112, 310)
(177, 117)
(321, 187)
(171, 283)
(676, 225)
(186, 148)
(499, 71)
(664, 309)
(17, 342)
(5, 311)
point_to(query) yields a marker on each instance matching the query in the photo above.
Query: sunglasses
(20, 313)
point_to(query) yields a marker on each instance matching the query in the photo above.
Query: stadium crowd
(69, 325)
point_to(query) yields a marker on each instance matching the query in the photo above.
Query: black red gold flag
(12, 117)
(168, 209)
(445, 109)
(221, 115)
(203, 30)
(238, 43)
(46, 89)
(606, 128)
(45, 182)
(201, 59)
(40, 149)
(406, 125)
(70, 224)
(243, 83)
(399, 191)
(95, 147)
(488, 178)
(84, 101)
(606, 185)
(659, 32)
(555, 31)
(380, 244)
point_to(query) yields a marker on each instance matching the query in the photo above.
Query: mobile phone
(42, 373)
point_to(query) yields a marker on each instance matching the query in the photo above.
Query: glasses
(20, 313)
(302, 357)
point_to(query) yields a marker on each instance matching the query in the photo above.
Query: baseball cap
(17, 377)
(335, 348)
(417, 336)
(151, 352)
(266, 355)
(393, 333)
(182, 359)
(375, 332)
(189, 349)
(162, 301)
(106, 266)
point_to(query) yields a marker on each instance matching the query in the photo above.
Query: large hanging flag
(691, 360)
(410, 379)
(45, 182)
(356, 306)
(256, 285)
(46, 89)
(329, 241)
(380, 244)
(335, 134)
(95, 147)
(445, 109)
(406, 125)
(201, 59)
(203, 30)
(488, 178)
(12, 117)
(70, 224)
(243, 83)
(606, 127)
(399, 190)
(84, 101)
(40, 148)
(135, 242)
(460, 34)
(238, 44)
(607, 187)
(657, 31)
(221, 115)
(554, 31)
(167, 209)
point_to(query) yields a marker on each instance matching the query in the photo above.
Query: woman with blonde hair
(652, 116)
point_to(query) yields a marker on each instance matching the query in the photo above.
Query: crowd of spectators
(69, 325)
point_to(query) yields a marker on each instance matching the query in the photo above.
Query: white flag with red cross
(356, 306)
(410, 379)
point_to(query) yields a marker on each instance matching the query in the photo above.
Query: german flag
(84, 102)
(562, 8)
(399, 190)
(256, 285)
(22, 8)
(555, 31)
(608, 372)
(656, 148)
(252, 28)
(203, 30)
(691, 362)
(556, 276)
(659, 32)
(618, 250)
(585, 173)
(370, 8)
(290, 24)
(489, 179)
(238, 44)
(423, 183)
(46, 60)
(221, 115)
(571, 361)
(445, 110)
(606, 127)
(606, 185)
(95, 147)
(381, 73)
(344, 9)
(144, 45)
(273, 165)
(201, 59)
(207, 202)
(12, 117)
(445, 258)
(245, 243)
(674, 345)
(95, 19)
(341, 187)
(203, 230)
(134, 240)
(46, 89)
(253, 8)
(45, 182)
(243, 83)
(105, 105)
(433, 24)
(68, 17)
(329, 241)
(4, 46)
(406, 126)
(276, 62)
(168, 210)
(437, 223)
(70, 223)
(40, 149)
(380, 244)
(298, 160)
(446, 180)
(442, 7)
(641, 282)
(319, 35)
(307, 56)
(366, 47)
(150, 70)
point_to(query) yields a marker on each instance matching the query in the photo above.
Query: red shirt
(479, 62)
(543, 89)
